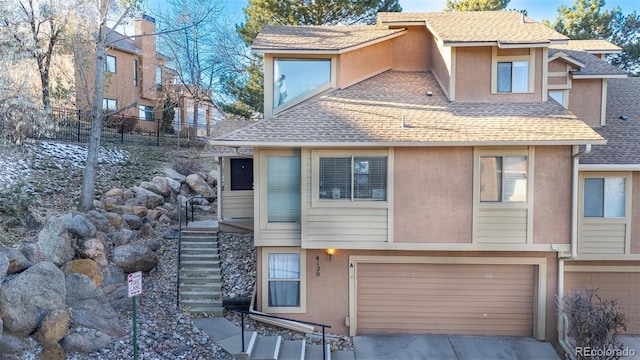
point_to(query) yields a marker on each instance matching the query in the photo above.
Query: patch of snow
(48, 154)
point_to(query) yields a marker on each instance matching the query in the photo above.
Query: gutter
(562, 326)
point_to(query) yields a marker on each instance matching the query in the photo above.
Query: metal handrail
(324, 326)
(186, 205)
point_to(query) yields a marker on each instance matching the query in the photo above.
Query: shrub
(594, 323)
(15, 200)
(186, 166)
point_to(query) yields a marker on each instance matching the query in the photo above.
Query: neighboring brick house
(426, 152)
(137, 72)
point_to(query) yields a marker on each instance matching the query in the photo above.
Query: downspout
(562, 329)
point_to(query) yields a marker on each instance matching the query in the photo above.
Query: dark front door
(241, 174)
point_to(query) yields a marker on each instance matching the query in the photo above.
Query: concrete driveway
(443, 347)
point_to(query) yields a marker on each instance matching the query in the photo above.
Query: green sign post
(134, 282)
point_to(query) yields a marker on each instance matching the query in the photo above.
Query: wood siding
(602, 237)
(445, 299)
(237, 204)
(624, 287)
(346, 224)
(502, 226)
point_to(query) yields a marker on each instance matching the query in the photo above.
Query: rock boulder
(54, 241)
(135, 256)
(200, 186)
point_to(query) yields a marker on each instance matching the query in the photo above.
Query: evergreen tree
(476, 5)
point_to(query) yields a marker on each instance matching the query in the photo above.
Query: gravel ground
(163, 331)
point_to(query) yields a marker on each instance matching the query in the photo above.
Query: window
(110, 64)
(296, 77)
(559, 96)
(241, 174)
(353, 178)
(503, 179)
(283, 189)
(604, 197)
(513, 77)
(109, 104)
(158, 78)
(147, 112)
(135, 72)
(283, 280)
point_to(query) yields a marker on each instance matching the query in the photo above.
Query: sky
(538, 10)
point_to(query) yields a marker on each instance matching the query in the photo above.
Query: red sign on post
(134, 281)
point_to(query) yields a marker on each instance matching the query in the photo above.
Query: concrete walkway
(443, 347)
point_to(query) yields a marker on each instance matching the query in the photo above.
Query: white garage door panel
(625, 287)
(445, 299)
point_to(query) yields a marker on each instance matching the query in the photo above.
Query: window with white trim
(146, 112)
(513, 77)
(503, 179)
(159, 78)
(109, 104)
(295, 77)
(110, 64)
(284, 274)
(559, 96)
(283, 189)
(352, 178)
(604, 197)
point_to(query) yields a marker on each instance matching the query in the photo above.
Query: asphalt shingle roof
(372, 112)
(318, 38)
(590, 46)
(623, 136)
(479, 26)
(121, 42)
(593, 64)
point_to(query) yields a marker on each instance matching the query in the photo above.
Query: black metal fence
(75, 126)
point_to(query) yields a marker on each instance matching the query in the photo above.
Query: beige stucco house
(428, 151)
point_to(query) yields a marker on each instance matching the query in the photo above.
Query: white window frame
(269, 81)
(495, 59)
(143, 110)
(263, 186)
(627, 195)
(316, 201)
(107, 68)
(565, 96)
(480, 153)
(159, 78)
(107, 101)
(265, 280)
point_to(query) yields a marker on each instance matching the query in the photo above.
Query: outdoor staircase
(259, 347)
(199, 274)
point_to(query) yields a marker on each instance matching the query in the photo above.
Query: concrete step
(188, 258)
(233, 344)
(191, 249)
(200, 263)
(314, 352)
(199, 238)
(292, 350)
(198, 273)
(200, 288)
(199, 295)
(266, 348)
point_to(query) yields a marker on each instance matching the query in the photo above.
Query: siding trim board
(539, 291)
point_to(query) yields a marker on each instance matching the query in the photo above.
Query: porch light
(331, 252)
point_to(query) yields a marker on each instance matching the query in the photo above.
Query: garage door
(445, 299)
(625, 287)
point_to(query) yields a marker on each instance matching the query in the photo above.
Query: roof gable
(500, 27)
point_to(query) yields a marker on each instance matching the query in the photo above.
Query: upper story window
(512, 71)
(353, 178)
(513, 76)
(283, 189)
(503, 179)
(135, 72)
(604, 197)
(295, 77)
(109, 104)
(560, 96)
(110, 64)
(158, 78)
